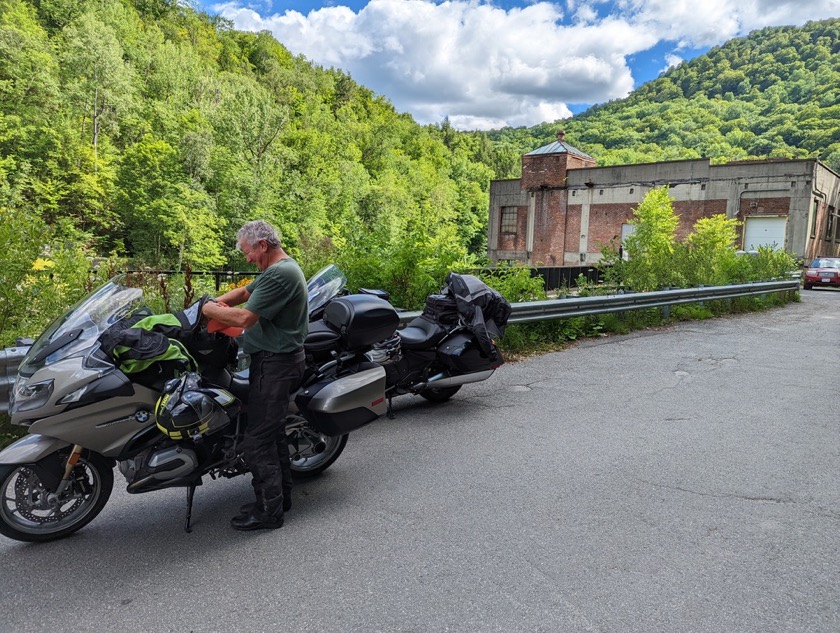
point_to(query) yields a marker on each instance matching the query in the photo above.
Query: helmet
(187, 409)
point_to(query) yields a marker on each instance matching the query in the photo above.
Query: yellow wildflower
(42, 264)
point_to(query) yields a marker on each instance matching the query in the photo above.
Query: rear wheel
(311, 452)
(29, 511)
(439, 394)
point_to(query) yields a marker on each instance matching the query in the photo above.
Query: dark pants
(273, 379)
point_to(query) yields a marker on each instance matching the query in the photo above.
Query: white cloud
(715, 21)
(484, 66)
(671, 61)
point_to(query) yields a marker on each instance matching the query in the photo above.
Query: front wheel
(311, 452)
(439, 394)
(807, 286)
(31, 512)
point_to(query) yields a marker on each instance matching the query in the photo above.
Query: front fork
(72, 460)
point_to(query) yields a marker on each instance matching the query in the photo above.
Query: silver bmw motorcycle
(85, 415)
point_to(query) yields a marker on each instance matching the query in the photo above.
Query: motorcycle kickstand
(190, 495)
(390, 412)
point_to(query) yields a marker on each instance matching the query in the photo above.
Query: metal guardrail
(526, 312)
(10, 358)
(532, 311)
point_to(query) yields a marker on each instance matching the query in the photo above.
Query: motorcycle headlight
(27, 396)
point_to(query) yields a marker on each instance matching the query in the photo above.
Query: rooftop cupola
(546, 166)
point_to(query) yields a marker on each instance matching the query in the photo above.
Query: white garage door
(764, 232)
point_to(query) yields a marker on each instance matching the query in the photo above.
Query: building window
(600, 192)
(829, 223)
(632, 190)
(703, 187)
(836, 225)
(574, 193)
(508, 220)
(814, 219)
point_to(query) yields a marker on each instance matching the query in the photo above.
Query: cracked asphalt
(678, 479)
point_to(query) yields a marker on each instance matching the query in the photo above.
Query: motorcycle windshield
(76, 331)
(324, 286)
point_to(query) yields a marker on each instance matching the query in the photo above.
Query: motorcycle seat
(421, 334)
(237, 384)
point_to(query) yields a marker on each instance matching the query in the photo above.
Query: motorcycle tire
(26, 512)
(439, 394)
(309, 463)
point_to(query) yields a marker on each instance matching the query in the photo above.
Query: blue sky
(507, 63)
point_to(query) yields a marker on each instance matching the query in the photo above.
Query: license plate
(825, 281)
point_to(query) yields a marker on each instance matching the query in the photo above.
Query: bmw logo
(142, 416)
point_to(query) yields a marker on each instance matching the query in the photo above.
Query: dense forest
(773, 94)
(147, 132)
(150, 131)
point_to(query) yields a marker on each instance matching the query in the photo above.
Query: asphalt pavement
(678, 479)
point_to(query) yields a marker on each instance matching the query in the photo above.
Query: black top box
(361, 320)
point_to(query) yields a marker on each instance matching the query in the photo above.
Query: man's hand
(220, 311)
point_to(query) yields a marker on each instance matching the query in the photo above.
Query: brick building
(565, 207)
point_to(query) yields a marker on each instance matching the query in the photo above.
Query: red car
(823, 271)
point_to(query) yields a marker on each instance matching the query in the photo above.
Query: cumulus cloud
(484, 66)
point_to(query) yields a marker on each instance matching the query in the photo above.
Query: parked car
(822, 271)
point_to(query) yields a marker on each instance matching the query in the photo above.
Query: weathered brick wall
(763, 206)
(605, 222)
(572, 238)
(561, 234)
(578, 162)
(549, 225)
(689, 211)
(543, 170)
(515, 241)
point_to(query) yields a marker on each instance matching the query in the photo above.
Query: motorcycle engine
(158, 464)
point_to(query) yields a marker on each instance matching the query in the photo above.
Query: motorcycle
(452, 343)
(91, 399)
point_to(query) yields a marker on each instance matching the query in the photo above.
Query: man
(275, 317)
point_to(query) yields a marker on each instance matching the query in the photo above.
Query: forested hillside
(145, 129)
(775, 93)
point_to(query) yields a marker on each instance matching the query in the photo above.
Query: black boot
(266, 514)
(287, 504)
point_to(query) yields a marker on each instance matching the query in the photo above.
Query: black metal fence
(554, 277)
(220, 276)
(557, 277)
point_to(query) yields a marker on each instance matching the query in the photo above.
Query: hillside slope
(772, 94)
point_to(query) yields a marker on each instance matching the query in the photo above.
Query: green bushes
(707, 257)
(40, 273)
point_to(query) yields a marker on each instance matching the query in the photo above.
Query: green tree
(651, 246)
(97, 79)
(708, 253)
(169, 222)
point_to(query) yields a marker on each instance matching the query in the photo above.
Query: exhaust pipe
(442, 380)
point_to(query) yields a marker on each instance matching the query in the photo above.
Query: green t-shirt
(279, 297)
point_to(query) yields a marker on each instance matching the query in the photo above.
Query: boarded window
(833, 211)
(508, 220)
